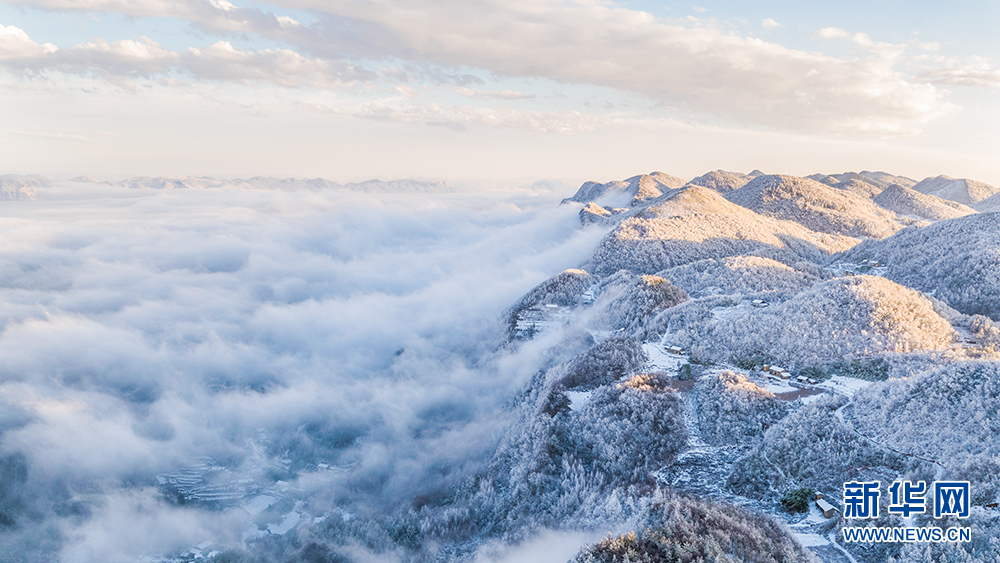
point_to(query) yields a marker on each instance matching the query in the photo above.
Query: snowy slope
(815, 206)
(961, 190)
(906, 201)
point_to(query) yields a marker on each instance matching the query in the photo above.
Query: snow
(288, 522)
(730, 313)
(844, 385)
(661, 360)
(578, 399)
(809, 540)
(804, 530)
(258, 504)
(772, 385)
(810, 398)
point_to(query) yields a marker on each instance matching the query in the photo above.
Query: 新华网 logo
(906, 498)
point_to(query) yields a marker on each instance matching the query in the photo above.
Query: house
(675, 349)
(780, 372)
(802, 379)
(826, 508)
(812, 381)
(759, 303)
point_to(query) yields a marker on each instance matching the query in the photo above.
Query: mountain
(738, 275)
(906, 201)
(721, 181)
(956, 260)
(956, 189)
(861, 187)
(878, 179)
(885, 179)
(991, 203)
(629, 192)
(697, 223)
(816, 206)
(688, 529)
(855, 317)
(14, 187)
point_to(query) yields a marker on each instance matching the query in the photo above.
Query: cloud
(15, 43)
(769, 23)
(144, 328)
(221, 61)
(833, 33)
(977, 72)
(701, 67)
(460, 117)
(146, 58)
(488, 95)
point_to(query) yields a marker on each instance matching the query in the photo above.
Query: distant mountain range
(276, 184)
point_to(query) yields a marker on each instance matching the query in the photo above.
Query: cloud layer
(146, 329)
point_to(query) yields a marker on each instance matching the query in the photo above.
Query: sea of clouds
(143, 329)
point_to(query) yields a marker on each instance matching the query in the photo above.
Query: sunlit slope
(697, 223)
(815, 206)
(738, 274)
(906, 201)
(852, 317)
(961, 190)
(721, 181)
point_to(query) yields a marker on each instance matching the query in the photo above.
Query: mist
(343, 345)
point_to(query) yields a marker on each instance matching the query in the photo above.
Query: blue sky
(484, 91)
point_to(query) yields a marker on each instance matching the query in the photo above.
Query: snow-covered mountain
(281, 377)
(960, 190)
(956, 260)
(721, 181)
(628, 192)
(906, 201)
(21, 188)
(816, 206)
(697, 223)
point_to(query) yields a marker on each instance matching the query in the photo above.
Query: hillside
(960, 190)
(956, 260)
(957, 407)
(688, 530)
(721, 181)
(879, 179)
(815, 206)
(989, 204)
(697, 223)
(738, 275)
(862, 188)
(906, 201)
(854, 317)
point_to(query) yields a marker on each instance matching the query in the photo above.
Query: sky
(489, 91)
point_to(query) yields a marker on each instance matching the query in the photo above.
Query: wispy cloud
(694, 65)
